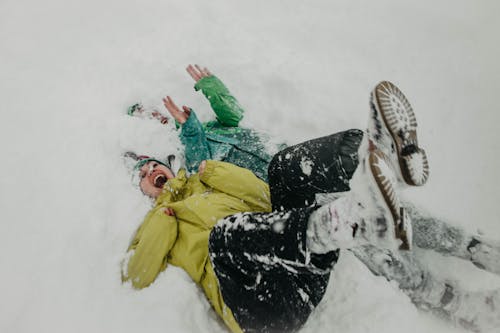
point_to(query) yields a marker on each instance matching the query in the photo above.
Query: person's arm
(149, 248)
(226, 107)
(237, 182)
(192, 134)
(196, 144)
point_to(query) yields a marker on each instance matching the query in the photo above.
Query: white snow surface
(301, 69)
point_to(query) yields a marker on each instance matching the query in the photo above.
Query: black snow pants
(266, 276)
(322, 165)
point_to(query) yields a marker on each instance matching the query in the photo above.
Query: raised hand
(175, 112)
(197, 73)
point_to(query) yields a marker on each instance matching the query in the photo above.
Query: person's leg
(476, 310)
(437, 235)
(325, 165)
(473, 310)
(267, 276)
(273, 267)
(289, 190)
(322, 165)
(370, 212)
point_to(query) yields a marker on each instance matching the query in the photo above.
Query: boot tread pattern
(399, 118)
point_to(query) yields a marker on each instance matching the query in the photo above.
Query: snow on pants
(325, 165)
(322, 165)
(265, 275)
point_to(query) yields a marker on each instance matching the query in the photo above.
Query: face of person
(153, 176)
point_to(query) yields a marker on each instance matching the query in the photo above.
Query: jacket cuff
(209, 84)
(203, 82)
(190, 127)
(209, 170)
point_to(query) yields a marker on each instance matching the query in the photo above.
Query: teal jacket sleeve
(226, 107)
(194, 139)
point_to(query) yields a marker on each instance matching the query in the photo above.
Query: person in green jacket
(221, 139)
(266, 271)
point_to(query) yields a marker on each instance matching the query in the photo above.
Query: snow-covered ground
(69, 69)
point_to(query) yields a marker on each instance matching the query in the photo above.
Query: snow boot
(371, 213)
(372, 208)
(393, 128)
(485, 254)
(478, 311)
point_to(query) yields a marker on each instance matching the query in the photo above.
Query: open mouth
(159, 181)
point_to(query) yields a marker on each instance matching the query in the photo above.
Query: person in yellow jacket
(266, 271)
(181, 239)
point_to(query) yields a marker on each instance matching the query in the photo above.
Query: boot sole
(399, 119)
(401, 227)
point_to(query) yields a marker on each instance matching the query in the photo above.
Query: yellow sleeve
(238, 182)
(149, 248)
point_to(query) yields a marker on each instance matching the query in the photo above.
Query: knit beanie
(136, 162)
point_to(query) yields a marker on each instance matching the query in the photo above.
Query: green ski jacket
(222, 139)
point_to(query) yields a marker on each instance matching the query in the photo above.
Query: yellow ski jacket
(182, 240)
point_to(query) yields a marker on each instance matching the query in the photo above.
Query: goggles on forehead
(143, 160)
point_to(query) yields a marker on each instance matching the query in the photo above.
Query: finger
(201, 73)
(204, 71)
(187, 110)
(174, 106)
(169, 211)
(207, 71)
(193, 73)
(167, 101)
(189, 69)
(202, 167)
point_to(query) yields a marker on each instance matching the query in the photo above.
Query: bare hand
(202, 167)
(169, 211)
(177, 114)
(197, 73)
